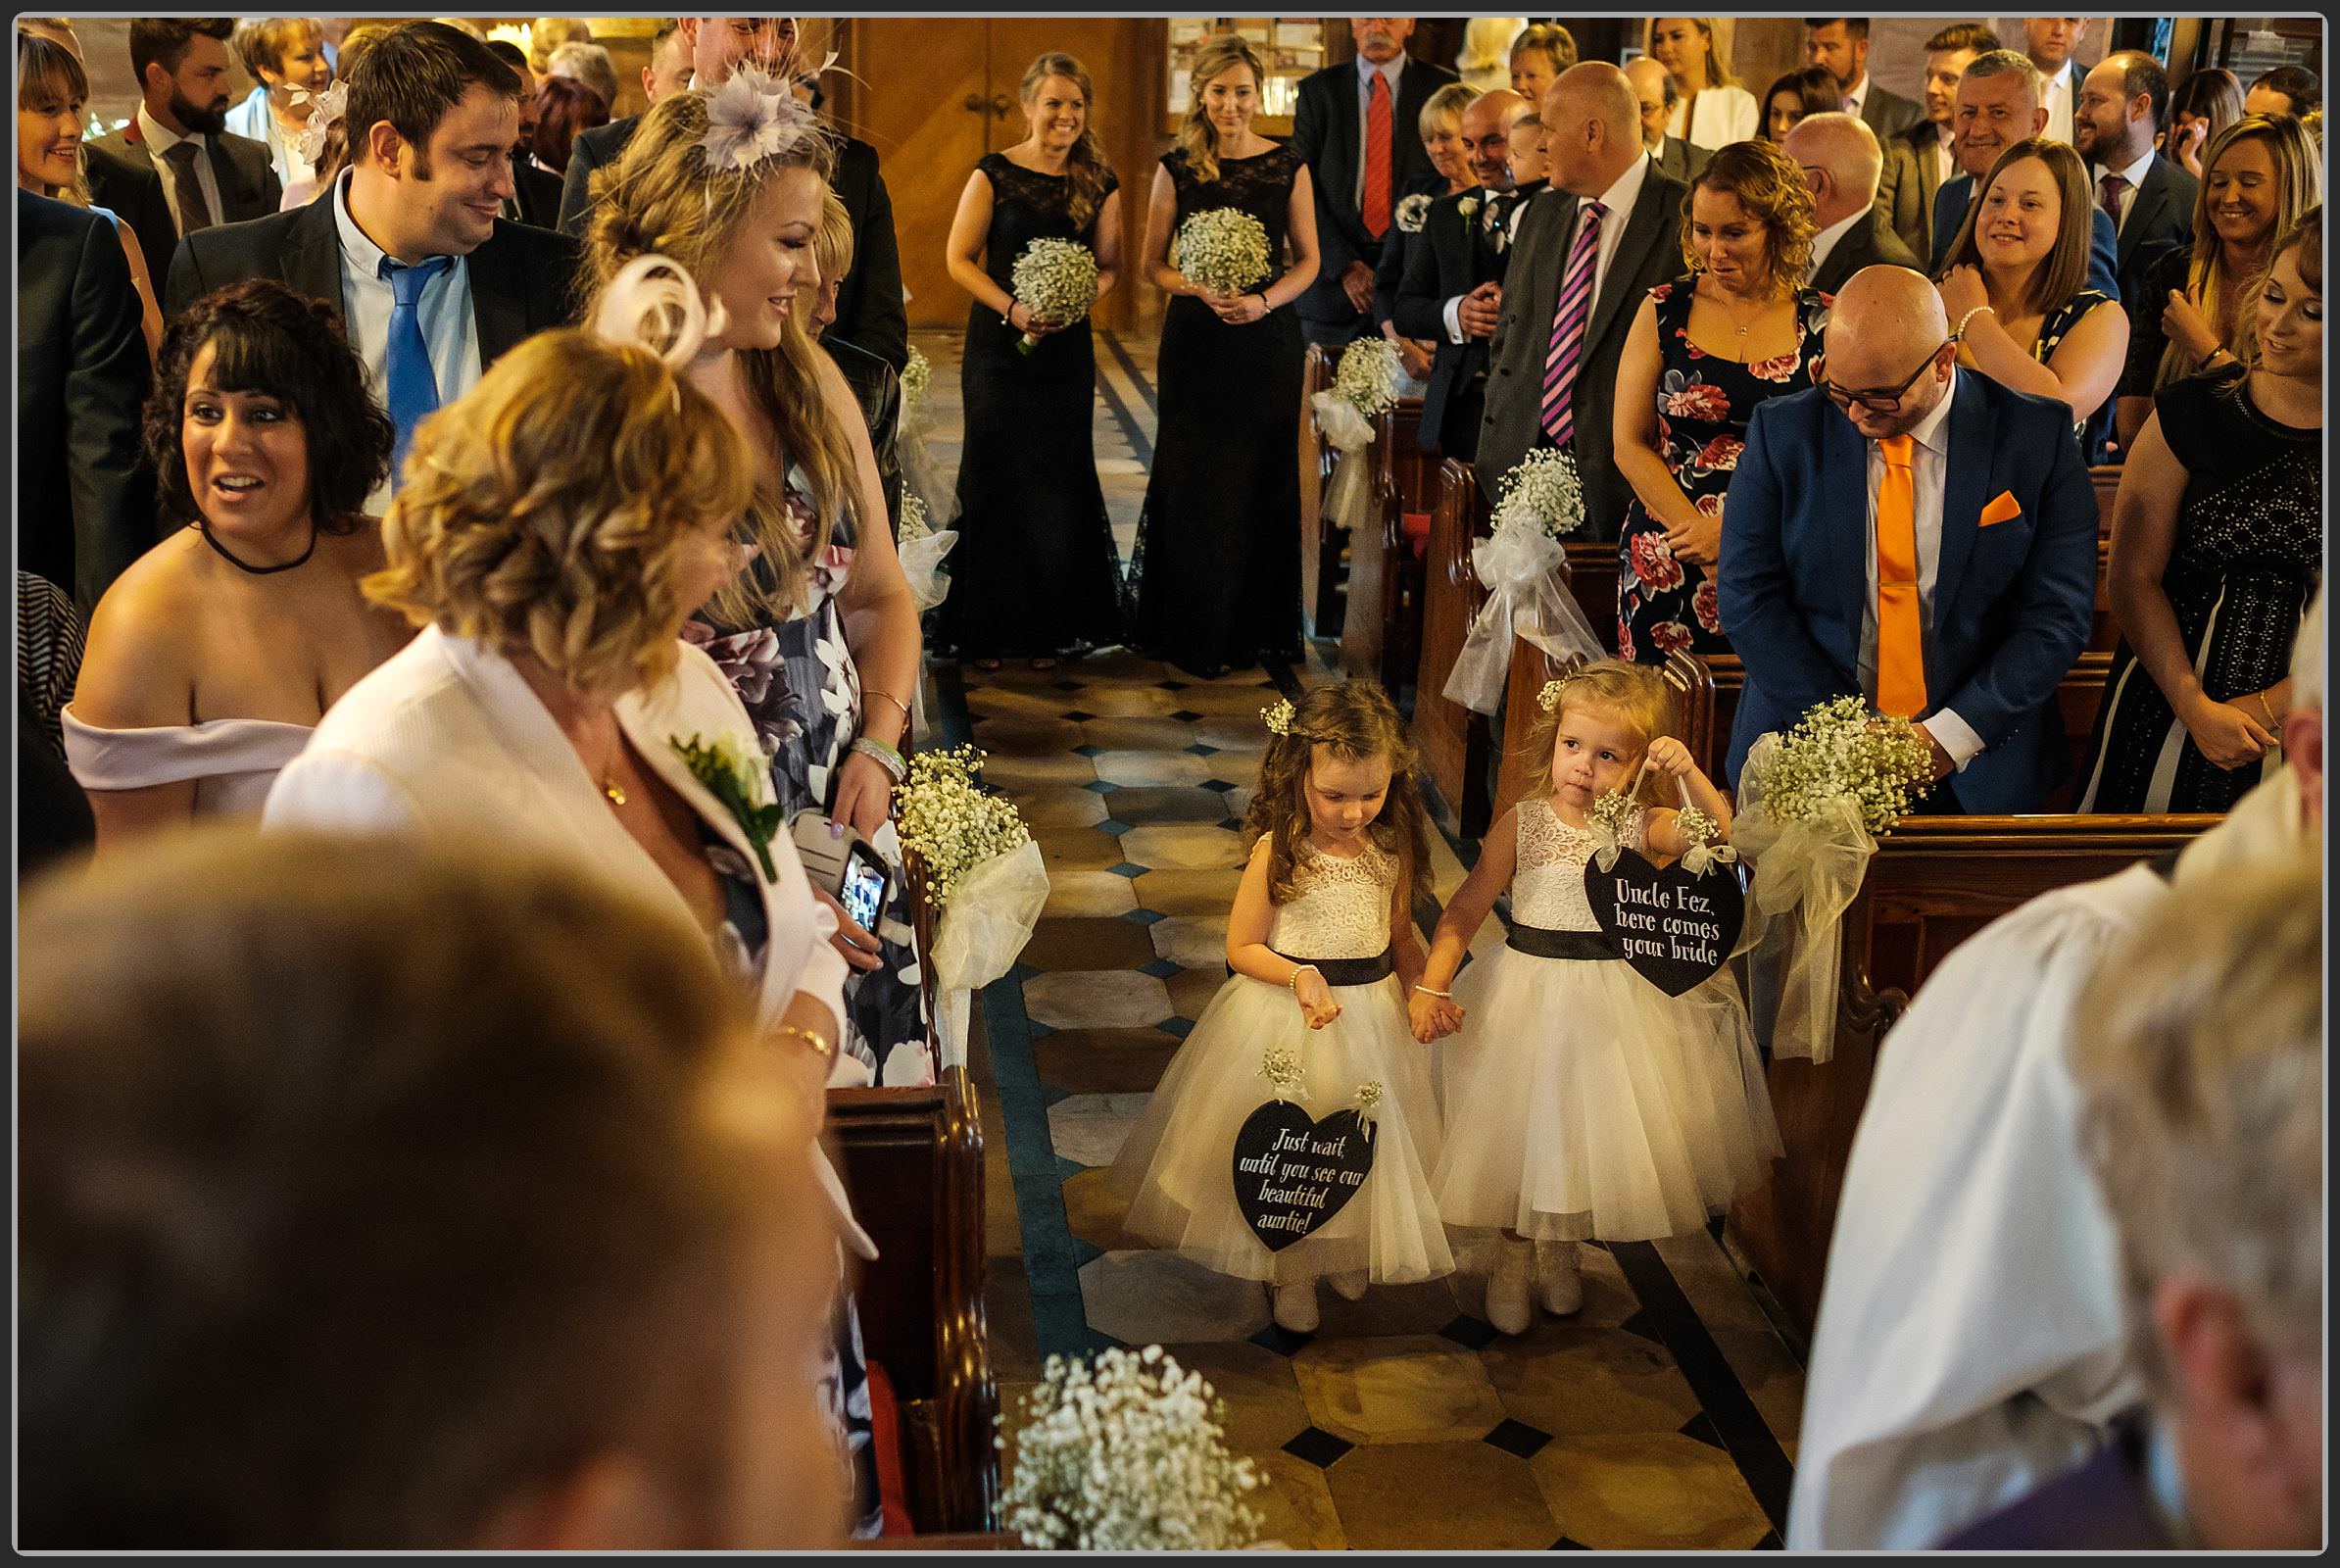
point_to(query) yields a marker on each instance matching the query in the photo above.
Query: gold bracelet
(872, 690)
(2272, 722)
(822, 1046)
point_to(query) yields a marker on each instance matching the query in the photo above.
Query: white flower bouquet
(1412, 211)
(1221, 249)
(1128, 1453)
(914, 374)
(1811, 802)
(983, 873)
(1056, 279)
(1524, 569)
(1364, 386)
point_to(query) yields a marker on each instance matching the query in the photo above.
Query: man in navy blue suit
(1998, 106)
(1987, 540)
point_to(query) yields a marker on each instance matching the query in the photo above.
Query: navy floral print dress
(1704, 402)
(798, 682)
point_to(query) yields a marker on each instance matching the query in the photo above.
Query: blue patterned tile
(1128, 868)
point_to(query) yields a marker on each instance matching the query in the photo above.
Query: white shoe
(1295, 1307)
(1507, 1287)
(1349, 1287)
(1561, 1284)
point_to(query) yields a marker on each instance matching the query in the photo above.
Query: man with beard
(209, 174)
(1453, 288)
(869, 307)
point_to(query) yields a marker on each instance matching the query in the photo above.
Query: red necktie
(2108, 191)
(1377, 157)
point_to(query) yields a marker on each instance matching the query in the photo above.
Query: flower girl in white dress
(1598, 1105)
(1322, 942)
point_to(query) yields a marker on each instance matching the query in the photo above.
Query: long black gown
(1034, 572)
(1217, 571)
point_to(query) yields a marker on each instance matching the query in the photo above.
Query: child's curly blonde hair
(1633, 693)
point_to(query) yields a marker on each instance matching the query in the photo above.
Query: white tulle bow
(1524, 569)
(988, 918)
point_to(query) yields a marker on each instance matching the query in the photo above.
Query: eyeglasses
(1875, 399)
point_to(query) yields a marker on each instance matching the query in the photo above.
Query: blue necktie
(414, 388)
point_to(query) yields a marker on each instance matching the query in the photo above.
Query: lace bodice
(1340, 908)
(1547, 881)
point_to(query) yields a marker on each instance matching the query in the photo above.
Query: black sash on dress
(1539, 943)
(1348, 971)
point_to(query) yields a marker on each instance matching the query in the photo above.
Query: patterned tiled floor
(1662, 1415)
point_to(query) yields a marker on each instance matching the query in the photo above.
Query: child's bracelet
(1293, 982)
(1423, 990)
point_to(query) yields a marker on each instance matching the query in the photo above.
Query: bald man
(1453, 285)
(1958, 595)
(1656, 94)
(1843, 161)
(1604, 232)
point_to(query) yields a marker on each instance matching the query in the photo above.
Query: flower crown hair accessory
(753, 116)
(326, 110)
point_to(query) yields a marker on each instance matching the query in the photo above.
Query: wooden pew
(1381, 615)
(1320, 546)
(1454, 741)
(1935, 882)
(912, 1163)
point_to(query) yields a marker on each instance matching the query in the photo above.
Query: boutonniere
(737, 775)
(1467, 205)
(1412, 211)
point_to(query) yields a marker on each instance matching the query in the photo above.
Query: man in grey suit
(1654, 90)
(1839, 45)
(1605, 233)
(1922, 156)
(177, 145)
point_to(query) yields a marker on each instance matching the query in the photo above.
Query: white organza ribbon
(1526, 571)
(1352, 476)
(1812, 866)
(985, 923)
(922, 565)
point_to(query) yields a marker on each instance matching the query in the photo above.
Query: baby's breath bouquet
(1128, 1453)
(1811, 803)
(1525, 568)
(983, 873)
(1221, 249)
(915, 374)
(1364, 387)
(1541, 490)
(1056, 279)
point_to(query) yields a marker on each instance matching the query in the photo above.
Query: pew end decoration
(1525, 568)
(1056, 279)
(982, 872)
(922, 547)
(1221, 249)
(1128, 1453)
(1812, 803)
(1364, 388)
(921, 476)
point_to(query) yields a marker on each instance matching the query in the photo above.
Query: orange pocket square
(2004, 507)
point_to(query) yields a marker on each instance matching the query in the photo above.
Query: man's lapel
(498, 299)
(1642, 227)
(312, 254)
(1844, 473)
(1340, 148)
(1966, 486)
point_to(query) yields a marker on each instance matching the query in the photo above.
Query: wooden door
(916, 78)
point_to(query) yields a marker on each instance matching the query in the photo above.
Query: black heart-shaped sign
(1676, 928)
(1293, 1173)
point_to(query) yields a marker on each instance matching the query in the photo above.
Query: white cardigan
(445, 737)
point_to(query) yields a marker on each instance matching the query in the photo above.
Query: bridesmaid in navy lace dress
(1034, 570)
(1704, 350)
(1217, 572)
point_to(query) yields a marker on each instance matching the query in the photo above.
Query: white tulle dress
(1585, 1102)
(1177, 1167)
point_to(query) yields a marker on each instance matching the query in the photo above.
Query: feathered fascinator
(326, 109)
(754, 117)
(653, 303)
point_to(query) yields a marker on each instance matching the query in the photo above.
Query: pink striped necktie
(1567, 350)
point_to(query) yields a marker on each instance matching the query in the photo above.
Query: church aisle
(1662, 1415)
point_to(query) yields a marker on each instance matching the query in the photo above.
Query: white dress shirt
(1618, 199)
(1857, 95)
(158, 143)
(1826, 240)
(449, 328)
(1390, 74)
(1945, 158)
(2055, 99)
(2134, 174)
(1930, 468)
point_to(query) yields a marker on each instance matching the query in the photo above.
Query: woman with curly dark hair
(211, 659)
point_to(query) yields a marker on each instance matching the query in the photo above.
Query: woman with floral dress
(820, 634)
(1703, 353)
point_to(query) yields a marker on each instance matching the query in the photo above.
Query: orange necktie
(1900, 645)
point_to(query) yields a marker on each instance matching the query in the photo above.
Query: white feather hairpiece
(753, 116)
(326, 109)
(654, 303)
